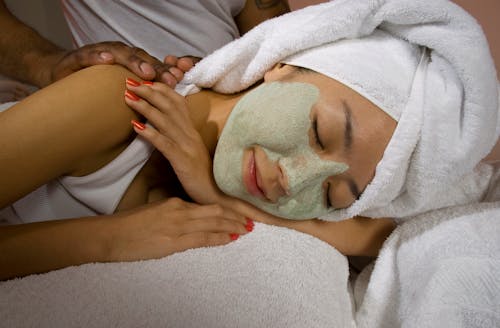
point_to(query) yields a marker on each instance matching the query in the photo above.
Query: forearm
(359, 236)
(24, 54)
(257, 11)
(44, 246)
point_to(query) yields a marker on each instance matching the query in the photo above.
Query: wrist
(40, 66)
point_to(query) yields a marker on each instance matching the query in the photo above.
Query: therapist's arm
(27, 56)
(257, 11)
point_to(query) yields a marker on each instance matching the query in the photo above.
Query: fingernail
(234, 236)
(132, 82)
(177, 73)
(249, 226)
(138, 125)
(147, 69)
(106, 56)
(147, 82)
(169, 79)
(130, 95)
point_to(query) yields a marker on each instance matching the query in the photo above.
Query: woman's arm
(150, 232)
(74, 127)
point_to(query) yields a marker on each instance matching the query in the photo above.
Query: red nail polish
(132, 82)
(234, 236)
(130, 95)
(249, 226)
(138, 125)
(147, 82)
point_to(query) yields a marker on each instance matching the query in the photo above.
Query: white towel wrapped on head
(449, 122)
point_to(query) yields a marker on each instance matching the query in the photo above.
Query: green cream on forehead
(276, 117)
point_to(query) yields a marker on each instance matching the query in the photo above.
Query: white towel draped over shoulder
(450, 121)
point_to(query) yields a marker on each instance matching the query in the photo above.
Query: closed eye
(317, 140)
(328, 201)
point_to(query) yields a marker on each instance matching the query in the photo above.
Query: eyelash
(316, 134)
(328, 202)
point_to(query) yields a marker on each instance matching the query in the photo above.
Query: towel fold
(439, 269)
(272, 277)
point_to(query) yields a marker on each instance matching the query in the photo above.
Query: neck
(209, 112)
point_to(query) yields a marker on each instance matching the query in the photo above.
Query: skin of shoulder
(83, 118)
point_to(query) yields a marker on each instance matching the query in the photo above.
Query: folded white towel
(272, 277)
(451, 119)
(439, 269)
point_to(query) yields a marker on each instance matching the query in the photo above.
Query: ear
(278, 72)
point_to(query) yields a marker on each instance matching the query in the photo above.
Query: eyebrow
(348, 126)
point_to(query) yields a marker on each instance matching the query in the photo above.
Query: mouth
(250, 177)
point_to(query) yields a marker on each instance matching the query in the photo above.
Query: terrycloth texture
(272, 277)
(451, 119)
(440, 269)
(380, 67)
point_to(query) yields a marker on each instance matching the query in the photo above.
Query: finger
(138, 61)
(162, 91)
(170, 60)
(185, 63)
(165, 144)
(216, 210)
(214, 224)
(203, 239)
(85, 57)
(164, 100)
(161, 120)
(177, 73)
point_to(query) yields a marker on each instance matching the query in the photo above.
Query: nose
(305, 170)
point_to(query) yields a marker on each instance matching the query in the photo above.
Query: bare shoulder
(72, 127)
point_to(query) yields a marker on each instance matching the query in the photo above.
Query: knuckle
(175, 202)
(117, 44)
(217, 210)
(204, 238)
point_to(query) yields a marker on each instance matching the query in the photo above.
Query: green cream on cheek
(276, 117)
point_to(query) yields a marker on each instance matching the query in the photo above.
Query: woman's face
(301, 145)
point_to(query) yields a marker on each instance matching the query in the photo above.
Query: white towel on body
(439, 269)
(275, 277)
(450, 121)
(272, 277)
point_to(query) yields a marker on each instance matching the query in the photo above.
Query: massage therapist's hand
(175, 136)
(163, 228)
(135, 59)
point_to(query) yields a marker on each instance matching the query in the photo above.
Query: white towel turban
(446, 102)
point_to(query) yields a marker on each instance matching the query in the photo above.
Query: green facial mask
(276, 117)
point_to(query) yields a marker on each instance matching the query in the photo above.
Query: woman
(345, 159)
(111, 133)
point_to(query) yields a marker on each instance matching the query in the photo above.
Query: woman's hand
(153, 231)
(175, 136)
(171, 226)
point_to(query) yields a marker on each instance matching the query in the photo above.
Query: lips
(250, 178)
